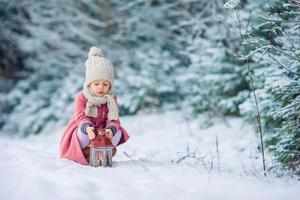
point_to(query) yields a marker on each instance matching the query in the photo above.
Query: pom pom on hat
(98, 67)
(94, 51)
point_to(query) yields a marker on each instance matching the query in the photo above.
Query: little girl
(95, 108)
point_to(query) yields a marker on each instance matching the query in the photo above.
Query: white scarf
(91, 108)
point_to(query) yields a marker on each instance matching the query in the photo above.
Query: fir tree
(276, 36)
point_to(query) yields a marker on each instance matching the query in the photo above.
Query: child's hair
(98, 67)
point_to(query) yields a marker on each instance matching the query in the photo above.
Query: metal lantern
(101, 150)
(101, 156)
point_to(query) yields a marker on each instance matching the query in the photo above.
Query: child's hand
(109, 133)
(90, 133)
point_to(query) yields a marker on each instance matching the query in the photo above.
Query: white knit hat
(98, 67)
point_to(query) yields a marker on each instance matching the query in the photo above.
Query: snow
(30, 168)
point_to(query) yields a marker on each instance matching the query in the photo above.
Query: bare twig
(258, 116)
(190, 155)
(193, 156)
(192, 166)
(135, 162)
(211, 163)
(265, 48)
(218, 154)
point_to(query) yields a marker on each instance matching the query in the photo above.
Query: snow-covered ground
(166, 157)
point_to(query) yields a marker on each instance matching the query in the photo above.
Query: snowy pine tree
(146, 54)
(271, 37)
(276, 39)
(217, 79)
(55, 40)
(11, 56)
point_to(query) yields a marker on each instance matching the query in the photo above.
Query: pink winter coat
(69, 144)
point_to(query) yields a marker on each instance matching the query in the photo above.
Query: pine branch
(283, 52)
(278, 20)
(282, 65)
(277, 62)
